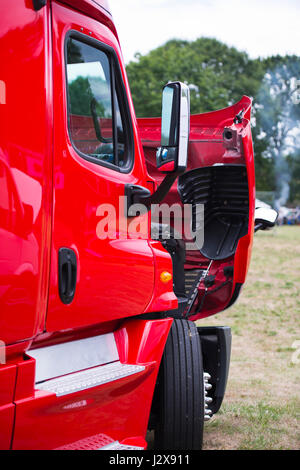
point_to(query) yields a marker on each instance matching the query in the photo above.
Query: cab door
(98, 273)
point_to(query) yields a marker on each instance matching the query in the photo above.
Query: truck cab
(92, 303)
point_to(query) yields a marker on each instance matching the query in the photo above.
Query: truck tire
(179, 397)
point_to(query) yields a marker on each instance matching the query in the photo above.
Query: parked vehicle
(98, 340)
(288, 216)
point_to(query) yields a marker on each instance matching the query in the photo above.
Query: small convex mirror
(265, 218)
(175, 125)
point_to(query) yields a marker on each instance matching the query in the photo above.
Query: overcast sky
(259, 27)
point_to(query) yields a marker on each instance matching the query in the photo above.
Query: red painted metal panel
(8, 374)
(115, 278)
(7, 383)
(163, 297)
(7, 413)
(97, 9)
(25, 378)
(117, 410)
(25, 171)
(82, 4)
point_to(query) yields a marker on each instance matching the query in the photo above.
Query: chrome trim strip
(66, 358)
(184, 125)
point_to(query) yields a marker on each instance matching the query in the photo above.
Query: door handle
(67, 274)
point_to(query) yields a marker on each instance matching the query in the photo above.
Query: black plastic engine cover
(223, 189)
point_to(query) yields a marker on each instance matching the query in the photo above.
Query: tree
(295, 179)
(278, 120)
(81, 95)
(218, 75)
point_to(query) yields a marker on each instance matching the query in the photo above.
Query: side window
(95, 121)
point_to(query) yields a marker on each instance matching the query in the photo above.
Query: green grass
(262, 402)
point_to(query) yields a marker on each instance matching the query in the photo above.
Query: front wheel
(179, 397)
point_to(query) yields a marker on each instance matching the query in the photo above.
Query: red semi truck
(98, 340)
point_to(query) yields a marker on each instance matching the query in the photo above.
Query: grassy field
(261, 409)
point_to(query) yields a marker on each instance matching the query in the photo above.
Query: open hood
(220, 175)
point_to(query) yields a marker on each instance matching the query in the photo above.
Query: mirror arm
(160, 192)
(171, 156)
(258, 227)
(264, 218)
(140, 195)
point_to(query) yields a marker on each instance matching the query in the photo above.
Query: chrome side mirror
(264, 218)
(172, 156)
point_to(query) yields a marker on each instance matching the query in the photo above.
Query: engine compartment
(223, 189)
(220, 175)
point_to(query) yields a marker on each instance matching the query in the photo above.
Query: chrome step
(85, 379)
(117, 446)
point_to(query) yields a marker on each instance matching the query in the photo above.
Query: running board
(104, 442)
(116, 445)
(89, 378)
(66, 358)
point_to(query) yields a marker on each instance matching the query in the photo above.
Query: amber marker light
(165, 276)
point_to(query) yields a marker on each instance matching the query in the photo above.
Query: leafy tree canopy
(218, 75)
